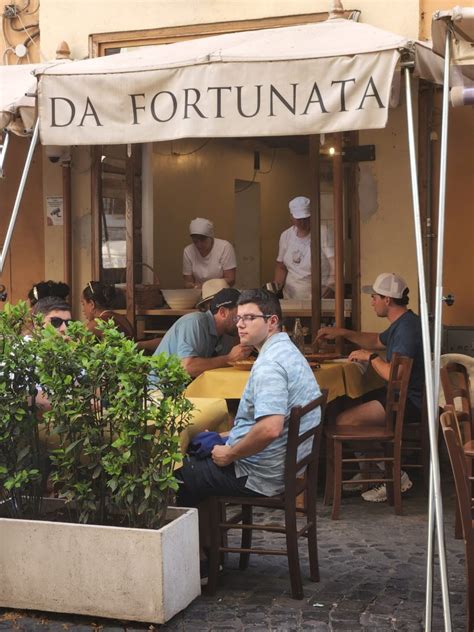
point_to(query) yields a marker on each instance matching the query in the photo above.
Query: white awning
(18, 88)
(17, 111)
(460, 22)
(325, 77)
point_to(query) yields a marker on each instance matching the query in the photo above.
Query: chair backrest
(455, 383)
(452, 436)
(293, 464)
(397, 388)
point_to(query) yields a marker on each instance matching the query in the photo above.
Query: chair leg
(337, 487)
(246, 537)
(312, 533)
(215, 511)
(397, 482)
(292, 552)
(329, 484)
(457, 525)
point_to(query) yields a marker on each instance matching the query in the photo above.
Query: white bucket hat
(300, 207)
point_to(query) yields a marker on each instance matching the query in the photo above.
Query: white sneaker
(353, 485)
(378, 494)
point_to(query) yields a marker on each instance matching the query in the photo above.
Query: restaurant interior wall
(201, 184)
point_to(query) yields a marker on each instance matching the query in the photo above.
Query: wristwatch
(372, 356)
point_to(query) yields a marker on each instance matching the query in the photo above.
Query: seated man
(253, 460)
(389, 300)
(197, 338)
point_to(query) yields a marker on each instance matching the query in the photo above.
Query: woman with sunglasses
(96, 300)
(55, 311)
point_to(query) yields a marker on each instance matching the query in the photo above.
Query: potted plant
(116, 548)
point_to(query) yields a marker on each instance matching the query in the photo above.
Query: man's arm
(266, 430)
(280, 273)
(229, 276)
(195, 365)
(381, 366)
(363, 339)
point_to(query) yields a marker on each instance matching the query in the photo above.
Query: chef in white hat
(207, 257)
(293, 264)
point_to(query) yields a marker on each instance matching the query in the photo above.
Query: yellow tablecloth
(358, 383)
(230, 383)
(210, 414)
(339, 378)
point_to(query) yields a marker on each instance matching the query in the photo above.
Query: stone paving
(372, 566)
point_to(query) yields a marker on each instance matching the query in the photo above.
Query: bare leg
(367, 414)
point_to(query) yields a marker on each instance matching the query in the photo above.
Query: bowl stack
(182, 299)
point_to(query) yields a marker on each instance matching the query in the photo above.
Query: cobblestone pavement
(372, 567)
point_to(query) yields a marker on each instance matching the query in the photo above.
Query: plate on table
(243, 365)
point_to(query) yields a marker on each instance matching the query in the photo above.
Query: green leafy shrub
(116, 445)
(22, 457)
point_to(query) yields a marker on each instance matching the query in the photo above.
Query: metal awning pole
(427, 360)
(439, 277)
(19, 195)
(3, 152)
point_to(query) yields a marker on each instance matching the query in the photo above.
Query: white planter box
(135, 574)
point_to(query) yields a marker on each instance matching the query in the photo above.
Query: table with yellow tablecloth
(340, 378)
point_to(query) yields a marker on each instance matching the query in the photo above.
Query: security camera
(57, 153)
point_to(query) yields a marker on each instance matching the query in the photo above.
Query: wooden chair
(286, 502)
(389, 436)
(455, 383)
(416, 444)
(457, 458)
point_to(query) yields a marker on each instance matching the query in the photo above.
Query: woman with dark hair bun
(48, 288)
(97, 300)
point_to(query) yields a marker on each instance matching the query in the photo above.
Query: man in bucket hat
(198, 338)
(389, 299)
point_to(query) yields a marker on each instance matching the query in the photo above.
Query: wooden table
(340, 378)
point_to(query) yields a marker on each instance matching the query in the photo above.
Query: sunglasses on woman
(57, 321)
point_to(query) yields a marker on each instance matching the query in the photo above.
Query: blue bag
(202, 444)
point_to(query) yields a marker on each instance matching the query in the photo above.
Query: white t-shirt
(221, 257)
(295, 254)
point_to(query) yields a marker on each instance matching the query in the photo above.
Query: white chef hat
(201, 226)
(300, 207)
